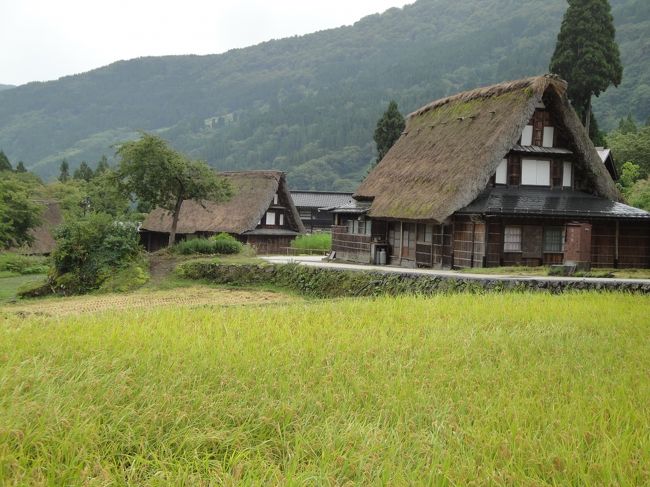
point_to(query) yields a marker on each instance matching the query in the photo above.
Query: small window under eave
(502, 172)
(567, 175)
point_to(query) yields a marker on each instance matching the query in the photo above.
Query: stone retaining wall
(319, 282)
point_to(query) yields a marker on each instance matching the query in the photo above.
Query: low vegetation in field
(12, 264)
(312, 243)
(491, 389)
(187, 295)
(11, 284)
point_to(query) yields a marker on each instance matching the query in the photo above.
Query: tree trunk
(588, 116)
(175, 214)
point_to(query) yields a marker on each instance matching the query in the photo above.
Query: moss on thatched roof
(253, 193)
(452, 146)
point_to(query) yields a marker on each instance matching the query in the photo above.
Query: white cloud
(46, 39)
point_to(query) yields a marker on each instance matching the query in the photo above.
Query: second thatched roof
(253, 193)
(451, 147)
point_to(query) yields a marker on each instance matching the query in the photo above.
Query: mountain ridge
(306, 104)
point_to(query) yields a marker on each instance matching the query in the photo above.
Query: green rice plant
(491, 389)
(321, 242)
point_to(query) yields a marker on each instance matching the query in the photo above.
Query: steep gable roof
(253, 193)
(451, 147)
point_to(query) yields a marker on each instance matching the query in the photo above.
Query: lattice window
(512, 239)
(553, 239)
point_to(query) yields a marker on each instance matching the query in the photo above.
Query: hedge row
(320, 282)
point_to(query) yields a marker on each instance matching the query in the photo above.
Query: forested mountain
(5, 87)
(309, 104)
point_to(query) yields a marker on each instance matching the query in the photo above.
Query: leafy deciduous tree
(389, 128)
(586, 54)
(162, 177)
(18, 213)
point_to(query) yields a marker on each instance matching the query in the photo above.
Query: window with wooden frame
(270, 218)
(527, 135)
(501, 175)
(553, 239)
(425, 233)
(281, 219)
(535, 172)
(512, 239)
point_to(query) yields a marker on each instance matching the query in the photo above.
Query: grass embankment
(497, 389)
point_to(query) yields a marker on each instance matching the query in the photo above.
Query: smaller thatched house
(260, 213)
(497, 176)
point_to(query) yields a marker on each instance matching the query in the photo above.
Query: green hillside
(308, 105)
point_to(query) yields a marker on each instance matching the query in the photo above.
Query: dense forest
(6, 87)
(309, 104)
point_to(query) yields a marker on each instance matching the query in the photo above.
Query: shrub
(92, 250)
(219, 244)
(225, 243)
(321, 242)
(194, 246)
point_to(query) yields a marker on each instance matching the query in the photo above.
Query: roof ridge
(537, 83)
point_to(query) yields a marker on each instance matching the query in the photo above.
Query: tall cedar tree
(586, 54)
(102, 166)
(83, 172)
(5, 165)
(389, 128)
(161, 177)
(20, 167)
(64, 171)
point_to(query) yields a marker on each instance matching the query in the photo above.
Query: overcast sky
(46, 39)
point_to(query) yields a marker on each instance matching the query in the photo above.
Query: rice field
(494, 389)
(189, 296)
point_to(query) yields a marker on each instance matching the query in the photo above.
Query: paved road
(317, 261)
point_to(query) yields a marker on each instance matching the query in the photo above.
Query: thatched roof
(451, 147)
(253, 193)
(44, 243)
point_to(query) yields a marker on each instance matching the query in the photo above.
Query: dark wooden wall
(268, 244)
(350, 246)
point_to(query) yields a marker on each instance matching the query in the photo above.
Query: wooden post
(616, 247)
(401, 240)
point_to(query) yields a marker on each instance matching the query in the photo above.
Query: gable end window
(535, 172)
(512, 239)
(270, 218)
(527, 135)
(502, 172)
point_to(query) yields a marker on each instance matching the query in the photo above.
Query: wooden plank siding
(633, 245)
(469, 243)
(350, 246)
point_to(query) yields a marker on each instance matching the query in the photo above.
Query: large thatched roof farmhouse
(260, 213)
(502, 175)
